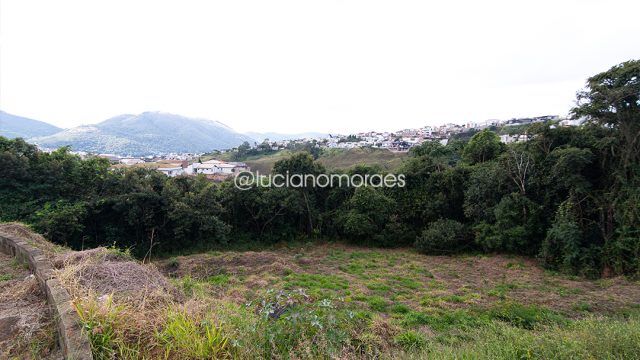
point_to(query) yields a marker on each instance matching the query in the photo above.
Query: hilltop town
(512, 130)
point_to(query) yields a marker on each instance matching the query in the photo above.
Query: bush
(517, 229)
(443, 236)
(565, 247)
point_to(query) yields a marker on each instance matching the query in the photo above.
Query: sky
(294, 66)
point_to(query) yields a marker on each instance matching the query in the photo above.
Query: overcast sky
(290, 66)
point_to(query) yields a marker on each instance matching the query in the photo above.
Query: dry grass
(139, 297)
(27, 330)
(18, 230)
(104, 271)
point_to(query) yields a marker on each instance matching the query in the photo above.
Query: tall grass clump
(100, 317)
(185, 337)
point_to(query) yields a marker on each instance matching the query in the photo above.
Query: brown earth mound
(202, 266)
(100, 271)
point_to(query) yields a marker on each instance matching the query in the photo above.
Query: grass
(333, 159)
(583, 339)
(218, 280)
(6, 277)
(335, 301)
(187, 338)
(315, 282)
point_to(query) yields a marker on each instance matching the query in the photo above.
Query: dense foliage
(570, 195)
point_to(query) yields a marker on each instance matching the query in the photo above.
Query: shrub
(443, 236)
(517, 228)
(564, 248)
(291, 325)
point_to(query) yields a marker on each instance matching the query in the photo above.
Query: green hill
(332, 159)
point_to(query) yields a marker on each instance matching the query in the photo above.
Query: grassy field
(327, 301)
(332, 159)
(335, 159)
(330, 300)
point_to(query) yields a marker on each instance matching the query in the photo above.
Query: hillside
(12, 126)
(332, 159)
(146, 133)
(273, 136)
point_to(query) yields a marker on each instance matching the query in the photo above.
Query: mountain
(277, 136)
(145, 134)
(12, 126)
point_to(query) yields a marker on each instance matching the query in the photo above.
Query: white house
(204, 168)
(131, 161)
(212, 167)
(172, 171)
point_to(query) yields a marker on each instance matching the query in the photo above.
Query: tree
(483, 146)
(443, 236)
(519, 163)
(299, 167)
(612, 98)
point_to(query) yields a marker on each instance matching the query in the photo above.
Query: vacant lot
(342, 159)
(397, 303)
(391, 279)
(338, 301)
(332, 159)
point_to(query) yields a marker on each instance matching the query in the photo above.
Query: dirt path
(27, 330)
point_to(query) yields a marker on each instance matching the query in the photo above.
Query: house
(212, 167)
(240, 167)
(131, 161)
(113, 159)
(206, 169)
(172, 171)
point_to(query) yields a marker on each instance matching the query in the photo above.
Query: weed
(501, 290)
(524, 316)
(99, 317)
(516, 265)
(173, 262)
(378, 287)
(315, 281)
(583, 306)
(377, 303)
(365, 255)
(122, 253)
(186, 337)
(191, 287)
(400, 309)
(218, 280)
(406, 282)
(6, 277)
(566, 292)
(443, 320)
(411, 340)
